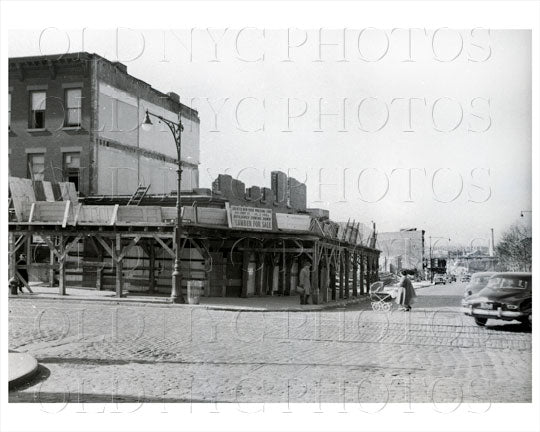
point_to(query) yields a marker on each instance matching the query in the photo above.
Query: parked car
(450, 278)
(507, 296)
(465, 278)
(439, 279)
(477, 282)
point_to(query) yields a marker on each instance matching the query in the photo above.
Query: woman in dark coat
(406, 293)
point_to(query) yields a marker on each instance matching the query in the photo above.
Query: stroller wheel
(375, 306)
(387, 306)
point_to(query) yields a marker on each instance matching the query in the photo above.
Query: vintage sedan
(507, 296)
(439, 279)
(477, 282)
(465, 278)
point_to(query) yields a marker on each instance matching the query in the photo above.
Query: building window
(73, 107)
(37, 111)
(36, 166)
(71, 168)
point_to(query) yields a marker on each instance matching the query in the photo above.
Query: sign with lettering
(251, 218)
(293, 222)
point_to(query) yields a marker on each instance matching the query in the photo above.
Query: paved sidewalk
(21, 368)
(252, 304)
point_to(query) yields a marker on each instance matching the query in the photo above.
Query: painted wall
(120, 172)
(117, 115)
(160, 139)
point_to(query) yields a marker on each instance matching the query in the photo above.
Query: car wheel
(527, 322)
(480, 321)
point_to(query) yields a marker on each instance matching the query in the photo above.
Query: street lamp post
(176, 129)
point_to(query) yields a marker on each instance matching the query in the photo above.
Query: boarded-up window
(36, 166)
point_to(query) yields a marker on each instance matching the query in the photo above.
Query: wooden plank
(113, 216)
(24, 282)
(315, 276)
(355, 276)
(12, 255)
(105, 246)
(362, 274)
(212, 216)
(49, 194)
(341, 277)
(164, 246)
(228, 210)
(139, 214)
(72, 244)
(152, 257)
(77, 213)
(61, 269)
(126, 249)
(119, 268)
(51, 270)
(347, 274)
(276, 250)
(66, 214)
(32, 210)
(245, 273)
(51, 245)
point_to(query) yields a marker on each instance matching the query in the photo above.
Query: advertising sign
(251, 218)
(293, 222)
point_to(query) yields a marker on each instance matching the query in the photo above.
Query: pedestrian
(304, 283)
(406, 293)
(22, 271)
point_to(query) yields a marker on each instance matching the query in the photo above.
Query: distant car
(439, 279)
(450, 278)
(507, 296)
(477, 282)
(465, 278)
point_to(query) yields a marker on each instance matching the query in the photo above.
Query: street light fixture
(176, 129)
(525, 211)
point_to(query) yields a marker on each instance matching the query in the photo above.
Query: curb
(166, 303)
(26, 373)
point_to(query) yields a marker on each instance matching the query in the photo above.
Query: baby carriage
(381, 299)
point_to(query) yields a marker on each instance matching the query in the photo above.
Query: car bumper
(495, 313)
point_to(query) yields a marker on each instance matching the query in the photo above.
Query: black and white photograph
(269, 216)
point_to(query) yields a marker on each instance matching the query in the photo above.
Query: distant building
(403, 249)
(286, 194)
(75, 117)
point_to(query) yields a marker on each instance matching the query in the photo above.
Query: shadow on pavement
(515, 327)
(41, 375)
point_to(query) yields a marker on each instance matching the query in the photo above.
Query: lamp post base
(177, 299)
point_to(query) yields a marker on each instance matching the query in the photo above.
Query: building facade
(403, 249)
(286, 194)
(76, 117)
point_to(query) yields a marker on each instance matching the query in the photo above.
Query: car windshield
(509, 282)
(480, 279)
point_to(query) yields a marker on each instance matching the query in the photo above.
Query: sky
(431, 129)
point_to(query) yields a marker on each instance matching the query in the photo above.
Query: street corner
(22, 367)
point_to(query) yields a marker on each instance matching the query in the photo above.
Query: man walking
(304, 282)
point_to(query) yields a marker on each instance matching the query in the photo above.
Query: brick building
(75, 117)
(403, 249)
(286, 195)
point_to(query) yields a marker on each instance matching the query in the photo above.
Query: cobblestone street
(97, 353)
